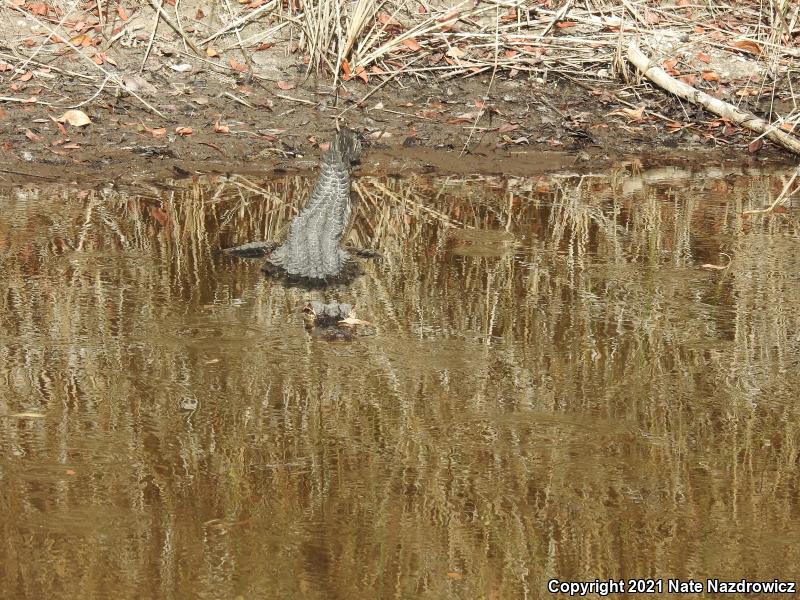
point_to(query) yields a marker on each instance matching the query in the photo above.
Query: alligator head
(345, 148)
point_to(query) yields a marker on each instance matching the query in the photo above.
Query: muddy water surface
(554, 388)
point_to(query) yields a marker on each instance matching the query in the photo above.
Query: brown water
(555, 388)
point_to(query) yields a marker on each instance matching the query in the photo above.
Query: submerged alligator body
(312, 253)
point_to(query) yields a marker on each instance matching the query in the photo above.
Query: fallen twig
(239, 22)
(175, 27)
(745, 119)
(115, 78)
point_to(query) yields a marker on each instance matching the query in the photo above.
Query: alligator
(312, 255)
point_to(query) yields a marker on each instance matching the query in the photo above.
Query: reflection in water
(556, 389)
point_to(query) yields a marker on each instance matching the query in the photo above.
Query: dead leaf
(183, 131)
(137, 83)
(211, 52)
(755, 146)
(122, 13)
(158, 132)
(348, 74)
(631, 113)
(747, 46)
(361, 72)
(412, 44)
(506, 127)
(565, 24)
(386, 19)
(704, 57)
(76, 118)
(710, 76)
(26, 76)
(465, 117)
(221, 128)
(237, 66)
(455, 52)
(284, 85)
(669, 65)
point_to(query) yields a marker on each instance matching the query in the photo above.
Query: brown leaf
(630, 113)
(158, 132)
(710, 76)
(386, 19)
(346, 72)
(26, 76)
(284, 85)
(76, 118)
(221, 128)
(455, 52)
(211, 52)
(237, 66)
(32, 136)
(122, 13)
(747, 46)
(361, 72)
(704, 57)
(199, 15)
(183, 131)
(565, 24)
(465, 117)
(669, 65)
(412, 44)
(506, 127)
(755, 146)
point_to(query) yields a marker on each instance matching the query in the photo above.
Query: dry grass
(375, 39)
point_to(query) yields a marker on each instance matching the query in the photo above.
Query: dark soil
(516, 127)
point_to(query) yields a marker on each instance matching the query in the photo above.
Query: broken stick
(745, 119)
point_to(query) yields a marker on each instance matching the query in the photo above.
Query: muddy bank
(512, 127)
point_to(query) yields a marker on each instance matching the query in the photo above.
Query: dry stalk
(115, 78)
(174, 26)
